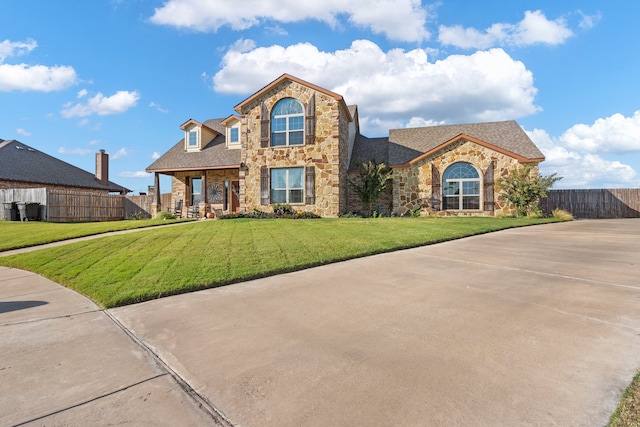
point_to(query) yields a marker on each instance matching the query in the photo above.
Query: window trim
(460, 197)
(287, 189)
(230, 130)
(287, 128)
(194, 133)
(192, 194)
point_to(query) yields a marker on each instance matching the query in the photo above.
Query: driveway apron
(530, 326)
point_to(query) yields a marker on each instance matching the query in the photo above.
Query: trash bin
(10, 211)
(33, 211)
(22, 210)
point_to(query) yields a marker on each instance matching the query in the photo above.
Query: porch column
(156, 206)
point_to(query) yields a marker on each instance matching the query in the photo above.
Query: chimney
(102, 167)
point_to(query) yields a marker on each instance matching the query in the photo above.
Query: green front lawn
(129, 268)
(16, 234)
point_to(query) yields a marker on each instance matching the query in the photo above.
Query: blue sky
(77, 76)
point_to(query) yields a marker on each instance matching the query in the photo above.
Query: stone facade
(331, 137)
(328, 154)
(412, 185)
(221, 178)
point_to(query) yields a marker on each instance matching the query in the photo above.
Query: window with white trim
(287, 123)
(287, 185)
(233, 135)
(192, 138)
(196, 191)
(461, 187)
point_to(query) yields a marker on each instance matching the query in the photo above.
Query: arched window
(461, 187)
(287, 123)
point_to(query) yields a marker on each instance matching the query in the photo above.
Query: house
(297, 143)
(22, 166)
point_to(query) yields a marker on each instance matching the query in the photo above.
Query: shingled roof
(21, 163)
(214, 155)
(405, 145)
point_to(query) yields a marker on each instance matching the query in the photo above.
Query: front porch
(202, 192)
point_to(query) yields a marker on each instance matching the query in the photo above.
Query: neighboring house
(294, 142)
(24, 167)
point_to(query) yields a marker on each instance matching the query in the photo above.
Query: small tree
(523, 189)
(373, 180)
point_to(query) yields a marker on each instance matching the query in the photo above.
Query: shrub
(523, 189)
(350, 214)
(165, 215)
(258, 214)
(562, 214)
(372, 180)
(136, 216)
(282, 209)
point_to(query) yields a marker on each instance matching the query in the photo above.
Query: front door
(235, 200)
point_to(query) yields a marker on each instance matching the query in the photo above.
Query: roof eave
(286, 76)
(518, 157)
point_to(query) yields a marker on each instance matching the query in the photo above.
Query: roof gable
(505, 137)
(287, 77)
(213, 155)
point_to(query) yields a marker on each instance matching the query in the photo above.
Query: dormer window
(232, 126)
(193, 138)
(233, 135)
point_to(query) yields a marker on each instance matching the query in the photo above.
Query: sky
(78, 76)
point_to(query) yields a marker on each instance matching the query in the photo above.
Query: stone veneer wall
(328, 154)
(412, 185)
(179, 188)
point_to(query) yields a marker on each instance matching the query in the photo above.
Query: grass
(125, 269)
(628, 412)
(16, 234)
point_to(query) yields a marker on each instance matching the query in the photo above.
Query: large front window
(287, 185)
(461, 187)
(287, 123)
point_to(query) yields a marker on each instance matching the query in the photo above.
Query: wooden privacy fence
(75, 206)
(612, 203)
(141, 205)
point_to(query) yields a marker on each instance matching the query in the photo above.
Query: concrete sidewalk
(63, 361)
(530, 326)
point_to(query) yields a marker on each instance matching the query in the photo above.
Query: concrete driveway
(531, 326)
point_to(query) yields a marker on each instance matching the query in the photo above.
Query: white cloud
(35, 77)
(75, 151)
(136, 174)
(397, 19)
(9, 48)
(157, 107)
(577, 154)
(534, 28)
(23, 132)
(614, 134)
(392, 86)
(26, 77)
(123, 152)
(102, 105)
(82, 93)
(94, 142)
(155, 155)
(589, 21)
